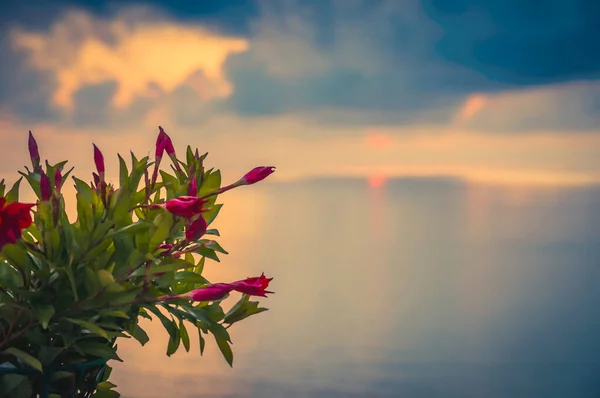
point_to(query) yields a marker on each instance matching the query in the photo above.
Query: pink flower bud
(185, 206)
(163, 143)
(99, 160)
(34, 153)
(213, 292)
(257, 174)
(192, 188)
(45, 188)
(196, 229)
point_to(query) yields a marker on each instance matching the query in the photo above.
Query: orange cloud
(472, 106)
(141, 57)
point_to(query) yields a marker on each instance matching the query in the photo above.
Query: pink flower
(45, 189)
(257, 174)
(255, 286)
(196, 229)
(185, 206)
(14, 217)
(34, 153)
(99, 160)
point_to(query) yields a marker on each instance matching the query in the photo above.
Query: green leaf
(15, 386)
(163, 223)
(212, 182)
(212, 232)
(96, 349)
(89, 326)
(83, 189)
(210, 215)
(201, 340)
(131, 229)
(123, 174)
(222, 338)
(174, 342)
(44, 313)
(140, 335)
(185, 337)
(100, 393)
(166, 265)
(189, 277)
(115, 314)
(215, 312)
(248, 308)
(13, 194)
(214, 245)
(206, 252)
(105, 277)
(25, 357)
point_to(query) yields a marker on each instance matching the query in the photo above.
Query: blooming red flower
(34, 153)
(185, 206)
(14, 217)
(196, 229)
(45, 188)
(99, 160)
(257, 174)
(255, 286)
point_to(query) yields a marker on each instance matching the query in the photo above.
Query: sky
(486, 91)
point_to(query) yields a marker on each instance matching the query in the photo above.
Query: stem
(224, 189)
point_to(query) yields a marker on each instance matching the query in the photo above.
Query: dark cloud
(230, 16)
(409, 60)
(520, 42)
(350, 62)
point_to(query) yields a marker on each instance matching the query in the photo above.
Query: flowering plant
(69, 290)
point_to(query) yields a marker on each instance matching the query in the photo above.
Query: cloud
(114, 63)
(568, 106)
(519, 42)
(341, 63)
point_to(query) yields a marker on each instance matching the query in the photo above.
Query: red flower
(258, 174)
(34, 153)
(14, 217)
(45, 188)
(196, 229)
(185, 206)
(255, 286)
(99, 160)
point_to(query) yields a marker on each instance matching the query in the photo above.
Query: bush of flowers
(69, 290)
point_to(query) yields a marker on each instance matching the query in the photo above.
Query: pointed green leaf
(25, 357)
(89, 326)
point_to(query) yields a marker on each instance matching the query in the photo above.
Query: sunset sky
(490, 91)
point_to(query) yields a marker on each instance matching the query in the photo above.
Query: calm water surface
(422, 288)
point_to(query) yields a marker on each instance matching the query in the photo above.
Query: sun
(377, 181)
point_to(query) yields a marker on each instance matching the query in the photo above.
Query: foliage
(70, 289)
